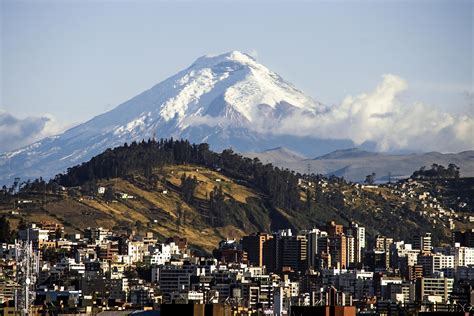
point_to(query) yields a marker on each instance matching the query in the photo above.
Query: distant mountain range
(354, 164)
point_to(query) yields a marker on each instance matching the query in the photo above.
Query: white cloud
(379, 117)
(17, 132)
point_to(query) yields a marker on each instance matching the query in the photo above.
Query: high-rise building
(269, 254)
(292, 252)
(337, 250)
(422, 242)
(314, 236)
(415, 272)
(174, 279)
(376, 260)
(253, 245)
(358, 232)
(303, 254)
(323, 244)
(435, 262)
(350, 249)
(336, 245)
(384, 243)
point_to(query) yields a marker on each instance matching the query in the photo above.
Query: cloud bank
(16, 132)
(379, 117)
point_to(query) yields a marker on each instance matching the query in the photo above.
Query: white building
(136, 251)
(162, 253)
(463, 256)
(435, 262)
(33, 233)
(350, 249)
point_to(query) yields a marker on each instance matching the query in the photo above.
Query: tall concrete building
(315, 245)
(432, 287)
(292, 253)
(463, 256)
(422, 242)
(435, 262)
(254, 245)
(350, 250)
(358, 232)
(384, 243)
(337, 245)
(337, 250)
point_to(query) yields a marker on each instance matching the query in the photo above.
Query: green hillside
(176, 188)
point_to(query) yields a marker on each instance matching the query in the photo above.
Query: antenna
(27, 269)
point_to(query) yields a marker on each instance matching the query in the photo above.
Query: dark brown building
(253, 245)
(464, 238)
(322, 310)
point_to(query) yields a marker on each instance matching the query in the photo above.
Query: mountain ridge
(347, 153)
(343, 163)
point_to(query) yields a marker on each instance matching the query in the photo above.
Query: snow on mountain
(216, 100)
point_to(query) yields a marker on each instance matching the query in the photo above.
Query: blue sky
(71, 60)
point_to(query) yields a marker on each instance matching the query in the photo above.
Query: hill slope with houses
(178, 188)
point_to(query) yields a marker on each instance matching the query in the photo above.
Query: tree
(188, 186)
(309, 198)
(22, 225)
(370, 178)
(5, 232)
(437, 172)
(148, 172)
(109, 194)
(453, 171)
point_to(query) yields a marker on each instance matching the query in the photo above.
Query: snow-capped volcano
(225, 100)
(226, 89)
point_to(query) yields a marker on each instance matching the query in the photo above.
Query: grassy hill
(227, 201)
